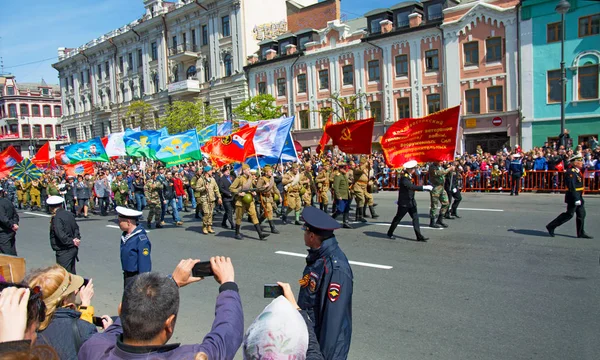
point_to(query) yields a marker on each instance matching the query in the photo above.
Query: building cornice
(481, 11)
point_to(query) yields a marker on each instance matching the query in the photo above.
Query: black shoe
(261, 235)
(432, 224)
(273, 229)
(238, 236)
(391, 236)
(335, 215)
(158, 225)
(224, 225)
(511, 194)
(455, 215)
(347, 226)
(297, 222)
(284, 220)
(422, 238)
(448, 216)
(550, 230)
(440, 221)
(585, 236)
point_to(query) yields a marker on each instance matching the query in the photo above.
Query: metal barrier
(545, 181)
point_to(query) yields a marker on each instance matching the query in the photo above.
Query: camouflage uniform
(437, 179)
(208, 192)
(323, 183)
(35, 192)
(120, 188)
(292, 192)
(243, 183)
(152, 190)
(266, 189)
(196, 187)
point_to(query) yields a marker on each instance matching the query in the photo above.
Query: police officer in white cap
(406, 201)
(135, 245)
(64, 234)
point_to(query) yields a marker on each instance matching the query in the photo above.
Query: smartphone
(202, 269)
(273, 290)
(85, 282)
(97, 321)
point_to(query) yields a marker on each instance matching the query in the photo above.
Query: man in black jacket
(64, 234)
(406, 201)
(224, 182)
(9, 224)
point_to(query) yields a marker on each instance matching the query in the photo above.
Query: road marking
(474, 209)
(36, 214)
(388, 224)
(385, 267)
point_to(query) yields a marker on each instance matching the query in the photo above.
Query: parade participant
(44, 181)
(224, 183)
(208, 191)
(332, 175)
(135, 245)
(170, 197)
(90, 181)
(22, 190)
(326, 285)
(573, 199)
(102, 190)
(455, 185)
(70, 194)
(359, 187)
(244, 202)
(196, 188)
(35, 191)
(64, 234)
(266, 191)
(180, 193)
(437, 178)
(341, 189)
(515, 171)
(407, 202)
(138, 191)
(309, 186)
(152, 190)
(292, 182)
(82, 196)
(322, 181)
(120, 188)
(11, 190)
(9, 225)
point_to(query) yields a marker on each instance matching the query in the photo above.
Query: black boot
(335, 215)
(345, 223)
(284, 215)
(373, 214)
(364, 211)
(158, 225)
(360, 215)
(334, 208)
(420, 237)
(455, 214)
(238, 236)
(440, 221)
(321, 206)
(273, 229)
(448, 216)
(261, 235)
(432, 223)
(325, 208)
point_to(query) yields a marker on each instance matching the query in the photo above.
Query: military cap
(342, 163)
(55, 200)
(207, 168)
(128, 213)
(245, 166)
(318, 221)
(307, 164)
(267, 168)
(295, 165)
(410, 164)
(576, 157)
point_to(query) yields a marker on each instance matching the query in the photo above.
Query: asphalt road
(493, 285)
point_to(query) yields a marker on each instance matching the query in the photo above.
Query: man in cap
(224, 183)
(323, 183)
(515, 171)
(573, 198)
(341, 189)
(292, 182)
(208, 190)
(326, 285)
(153, 189)
(406, 201)
(241, 187)
(64, 234)
(9, 224)
(196, 183)
(266, 191)
(120, 188)
(437, 178)
(135, 245)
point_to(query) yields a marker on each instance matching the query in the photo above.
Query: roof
(35, 86)
(377, 11)
(408, 3)
(356, 24)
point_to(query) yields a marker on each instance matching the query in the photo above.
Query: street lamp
(562, 8)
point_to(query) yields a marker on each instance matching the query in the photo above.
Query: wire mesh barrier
(545, 181)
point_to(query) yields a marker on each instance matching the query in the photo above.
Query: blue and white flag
(205, 134)
(224, 129)
(270, 136)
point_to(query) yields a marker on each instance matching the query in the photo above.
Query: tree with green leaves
(348, 106)
(140, 113)
(184, 115)
(259, 107)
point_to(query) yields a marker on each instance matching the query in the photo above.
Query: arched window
(227, 63)
(24, 110)
(191, 72)
(57, 111)
(12, 110)
(35, 110)
(155, 83)
(47, 111)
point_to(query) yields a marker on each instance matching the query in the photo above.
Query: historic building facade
(29, 115)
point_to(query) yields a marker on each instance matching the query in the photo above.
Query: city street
(493, 285)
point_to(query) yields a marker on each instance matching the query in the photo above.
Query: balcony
(183, 52)
(184, 87)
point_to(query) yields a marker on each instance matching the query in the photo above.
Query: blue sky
(32, 30)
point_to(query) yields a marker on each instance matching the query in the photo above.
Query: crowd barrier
(534, 181)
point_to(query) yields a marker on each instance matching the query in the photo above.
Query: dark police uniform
(326, 288)
(515, 170)
(8, 218)
(575, 187)
(63, 229)
(135, 254)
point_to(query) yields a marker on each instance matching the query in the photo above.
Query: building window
(154, 51)
(99, 72)
(140, 58)
(193, 39)
(375, 25)
(282, 47)
(37, 131)
(225, 26)
(46, 92)
(348, 75)
(588, 82)
(141, 84)
(206, 72)
(553, 32)
(554, 88)
(402, 19)
(227, 64)
(81, 78)
(495, 99)
(493, 49)
(589, 25)
(471, 51)
(301, 83)
(262, 87)
(24, 110)
(155, 83)
(472, 100)
(120, 67)
(303, 40)
(304, 119)
(35, 110)
(434, 12)
(281, 87)
(373, 70)
(130, 61)
(13, 129)
(10, 90)
(403, 107)
(25, 130)
(324, 79)
(12, 110)
(57, 111)
(376, 110)
(433, 103)
(431, 60)
(228, 109)
(48, 131)
(401, 65)
(204, 35)
(191, 72)
(106, 71)
(58, 130)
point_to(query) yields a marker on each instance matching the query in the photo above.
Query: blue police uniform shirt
(326, 295)
(135, 251)
(516, 167)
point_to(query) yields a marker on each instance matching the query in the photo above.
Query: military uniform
(309, 186)
(266, 190)
(135, 254)
(196, 187)
(22, 193)
(437, 178)
(243, 183)
(293, 183)
(208, 190)
(35, 192)
(63, 231)
(361, 193)
(120, 188)
(152, 189)
(341, 189)
(322, 181)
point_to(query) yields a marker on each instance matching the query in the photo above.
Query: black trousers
(455, 198)
(402, 210)
(103, 202)
(516, 184)
(7, 244)
(578, 210)
(227, 204)
(128, 278)
(67, 258)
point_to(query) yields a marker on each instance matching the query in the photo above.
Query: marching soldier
(64, 234)
(135, 245)
(322, 181)
(573, 199)
(454, 185)
(152, 189)
(334, 171)
(22, 190)
(292, 184)
(266, 191)
(359, 187)
(208, 190)
(437, 178)
(196, 190)
(120, 188)
(309, 186)
(242, 188)
(35, 191)
(341, 189)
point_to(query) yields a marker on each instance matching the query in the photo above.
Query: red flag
(61, 158)
(8, 159)
(430, 138)
(352, 137)
(231, 148)
(81, 168)
(43, 155)
(324, 138)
